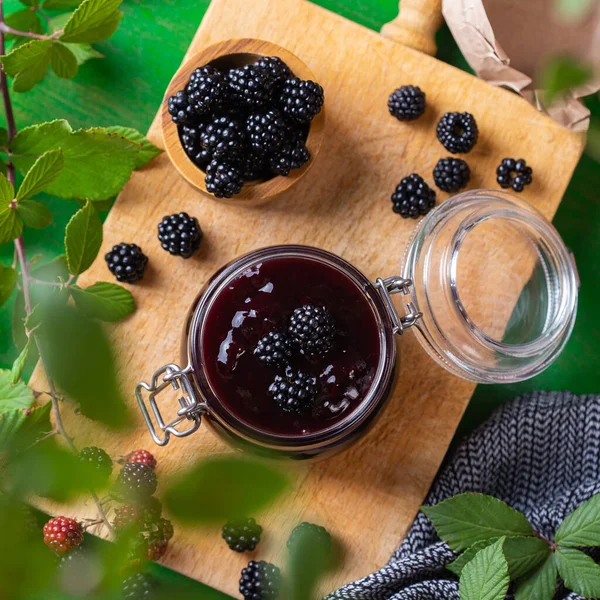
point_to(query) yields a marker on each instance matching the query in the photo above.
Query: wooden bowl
(225, 55)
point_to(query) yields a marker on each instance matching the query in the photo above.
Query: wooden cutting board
(368, 496)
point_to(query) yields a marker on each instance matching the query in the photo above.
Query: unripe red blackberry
(143, 457)
(62, 534)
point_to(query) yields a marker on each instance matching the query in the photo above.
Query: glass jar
(486, 283)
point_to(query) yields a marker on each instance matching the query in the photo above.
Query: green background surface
(127, 86)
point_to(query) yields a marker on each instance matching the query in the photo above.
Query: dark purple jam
(260, 300)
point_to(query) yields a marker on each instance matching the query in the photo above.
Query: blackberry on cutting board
(260, 581)
(413, 197)
(142, 456)
(312, 328)
(206, 90)
(126, 262)
(224, 179)
(451, 174)
(98, 459)
(292, 155)
(305, 535)
(300, 100)
(274, 349)
(250, 86)
(242, 535)
(180, 109)
(266, 131)
(140, 586)
(294, 391)
(224, 138)
(136, 481)
(407, 103)
(62, 534)
(514, 173)
(180, 234)
(457, 132)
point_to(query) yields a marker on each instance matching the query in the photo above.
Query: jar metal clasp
(395, 285)
(191, 409)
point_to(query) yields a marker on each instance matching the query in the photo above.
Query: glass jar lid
(495, 284)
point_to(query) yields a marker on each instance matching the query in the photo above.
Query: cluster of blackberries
(311, 332)
(246, 123)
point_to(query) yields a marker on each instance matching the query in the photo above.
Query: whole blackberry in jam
(292, 155)
(451, 174)
(413, 197)
(275, 69)
(206, 90)
(514, 173)
(98, 459)
(62, 534)
(253, 165)
(266, 131)
(300, 100)
(140, 586)
(224, 179)
(457, 132)
(126, 262)
(136, 481)
(293, 392)
(242, 535)
(250, 86)
(180, 234)
(143, 456)
(312, 328)
(274, 349)
(180, 109)
(407, 103)
(260, 581)
(224, 138)
(305, 535)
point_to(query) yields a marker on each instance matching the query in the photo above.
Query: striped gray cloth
(539, 453)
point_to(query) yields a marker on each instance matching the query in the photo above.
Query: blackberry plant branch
(29, 34)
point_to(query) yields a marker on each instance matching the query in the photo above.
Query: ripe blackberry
(224, 138)
(293, 392)
(253, 165)
(457, 132)
(305, 535)
(300, 100)
(274, 349)
(126, 262)
(179, 235)
(514, 173)
(266, 131)
(451, 174)
(129, 516)
(292, 155)
(72, 560)
(312, 328)
(250, 86)
(180, 109)
(275, 69)
(143, 456)
(136, 481)
(413, 197)
(260, 581)
(97, 458)
(223, 179)
(62, 534)
(206, 90)
(191, 140)
(407, 103)
(242, 535)
(141, 586)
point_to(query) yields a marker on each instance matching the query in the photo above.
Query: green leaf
(37, 424)
(26, 79)
(58, 22)
(83, 238)
(23, 20)
(582, 526)
(486, 576)
(60, 4)
(63, 61)
(43, 172)
(578, 571)
(7, 191)
(93, 21)
(147, 151)
(13, 396)
(572, 10)
(83, 52)
(34, 214)
(30, 2)
(54, 270)
(8, 281)
(541, 584)
(221, 488)
(84, 369)
(97, 164)
(466, 519)
(20, 362)
(104, 301)
(11, 225)
(10, 423)
(561, 74)
(27, 64)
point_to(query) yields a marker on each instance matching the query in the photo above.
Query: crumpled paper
(506, 41)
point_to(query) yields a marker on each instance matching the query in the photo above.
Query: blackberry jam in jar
(291, 350)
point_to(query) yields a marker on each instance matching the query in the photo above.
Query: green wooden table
(126, 89)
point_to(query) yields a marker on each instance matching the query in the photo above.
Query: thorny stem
(22, 259)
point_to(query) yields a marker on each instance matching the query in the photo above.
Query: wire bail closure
(396, 285)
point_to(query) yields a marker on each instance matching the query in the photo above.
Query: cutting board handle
(416, 24)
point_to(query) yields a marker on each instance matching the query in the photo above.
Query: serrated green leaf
(562, 74)
(10, 423)
(54, 270)
(7, 191)
(8, 282)
(13, 395)
(83, 238)
(582, 526)
(23, 20)
(486, 576)
(36, 425)
(147, 149)
(541, 584)
(63, 61)
(3, 137)
(42, 173)
(58, 22)
(83, 52)
(11, 225)
(469, 518)
(27, 64)
(578, 571)
(104, 301)
(96, 163)
(245, 486)
(20, 362)
(34, 214)
(93, 21)
(60, 4)
(25, 80)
